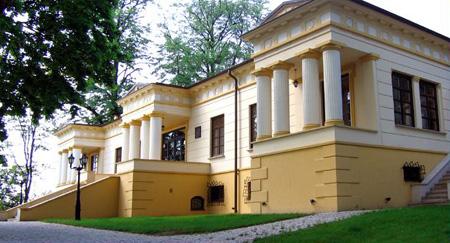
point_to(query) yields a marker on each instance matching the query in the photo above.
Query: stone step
(434, 200)
(436, 195)
(438, 190)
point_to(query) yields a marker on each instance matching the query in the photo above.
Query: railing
(419, 191)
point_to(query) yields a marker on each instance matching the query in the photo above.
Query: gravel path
(42, 232)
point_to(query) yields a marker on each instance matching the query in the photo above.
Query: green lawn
(417, 224)
(176, 224)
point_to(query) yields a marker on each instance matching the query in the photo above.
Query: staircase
(439, 193)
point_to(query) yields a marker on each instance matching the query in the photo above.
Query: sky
(433, 14)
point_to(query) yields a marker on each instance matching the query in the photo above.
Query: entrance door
(173, 147)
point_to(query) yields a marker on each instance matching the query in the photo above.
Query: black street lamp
(78, 167)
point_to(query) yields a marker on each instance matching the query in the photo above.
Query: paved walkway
(37, 232)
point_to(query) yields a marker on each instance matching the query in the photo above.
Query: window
(173, 147)
(118, 154)
(94, 162)
(253, 131)
(429, 106)
(197, 203)
(346, 100)
(403, 99)
(249, 191)
(217, 136)
(216, 194)
(198, 132)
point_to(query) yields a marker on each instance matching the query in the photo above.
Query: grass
(170, 225)
(417, 224)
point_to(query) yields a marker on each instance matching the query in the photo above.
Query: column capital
(65, 151)
(124, 125)
(416, 79)
(331, 46)
(135, 123)
(156, 114)
(282, 65)
(369, 57)
(145, 118)
(309, 53)
(263, 72)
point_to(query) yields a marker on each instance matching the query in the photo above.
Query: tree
(11, 181)
(50, 50)
(100, 100)
(208, 39)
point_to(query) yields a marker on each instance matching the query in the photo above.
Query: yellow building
(337, 101)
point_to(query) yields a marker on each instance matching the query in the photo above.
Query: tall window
(403, 99)
(174, 145)
(346, 100)
(94, 162)
(118, 154)
(252, 124)
(217, 135)
(429, 106)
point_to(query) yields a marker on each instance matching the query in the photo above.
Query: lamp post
(78, 167)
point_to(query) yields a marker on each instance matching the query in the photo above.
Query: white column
(64, 166)
(135, 127)
(101, 166)
(77, 155)
(332, 85)
(125, 141)
(264, 104)
(59, 168)
(311, 90)
(145, 138)
(281, 98)
(69, 171)
(416, 102)
(155, 137)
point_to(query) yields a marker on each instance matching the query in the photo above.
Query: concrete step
(434, 200)
(438, 190)
(436, 195)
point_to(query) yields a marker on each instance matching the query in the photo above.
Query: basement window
(216, 195)
(197, 203)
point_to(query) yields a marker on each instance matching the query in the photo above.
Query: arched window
(197, 203)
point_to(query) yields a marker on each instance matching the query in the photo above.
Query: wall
(337, 176)
(155, 194)
(63, 206)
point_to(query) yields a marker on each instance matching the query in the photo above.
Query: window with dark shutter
(403, 99)
(118, 154)
(429, 106)
(217, 136)
(198, 132)
(252, 117)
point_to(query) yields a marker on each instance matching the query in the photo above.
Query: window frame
(116, 154)
(423, 82)
(220, 199)
(221, 139)
(401, 77)
(253, 132)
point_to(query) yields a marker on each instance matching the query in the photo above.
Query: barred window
(217, 136)
(403, 99)
(216, 194)
(197, 203)
(429, 106)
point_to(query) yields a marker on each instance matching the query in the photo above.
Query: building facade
(342, 106)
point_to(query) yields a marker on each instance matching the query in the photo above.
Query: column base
(280, 133)
(334, 123)
(263, 137)
(310, 126)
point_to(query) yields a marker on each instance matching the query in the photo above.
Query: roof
(301, 3)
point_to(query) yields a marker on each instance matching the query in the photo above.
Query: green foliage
(100, 99)
(11, 179)
(207, 40)
(416, 224)
(177, 224)
(49, 50)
